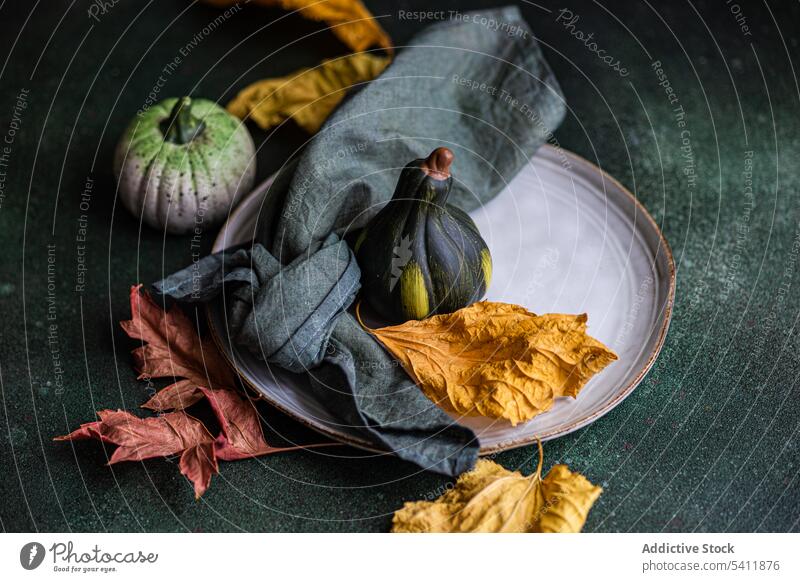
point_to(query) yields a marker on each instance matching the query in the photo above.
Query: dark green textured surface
(707, 442)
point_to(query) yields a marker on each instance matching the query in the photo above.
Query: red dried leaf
(173, 348)
(198, 464)
(241, 436)
(138, 439)
(143, 438)
(177, 396)
(88, 430)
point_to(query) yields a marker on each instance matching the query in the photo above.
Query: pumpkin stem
(437, 165)
(181, 126)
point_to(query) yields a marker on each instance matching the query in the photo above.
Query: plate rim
(582, 422)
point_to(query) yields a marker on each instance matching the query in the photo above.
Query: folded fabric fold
(283, 315)
(478, 85)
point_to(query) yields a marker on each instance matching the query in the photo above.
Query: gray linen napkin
(478, 85)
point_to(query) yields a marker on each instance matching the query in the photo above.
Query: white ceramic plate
(565, 237)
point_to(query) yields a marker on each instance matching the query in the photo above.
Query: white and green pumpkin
(184, 164)
(420, 256)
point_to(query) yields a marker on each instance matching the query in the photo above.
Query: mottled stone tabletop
(693, 106)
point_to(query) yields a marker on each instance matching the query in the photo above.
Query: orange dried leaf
(307, 96)
(496, 359)
(349, 20)
(492, 499)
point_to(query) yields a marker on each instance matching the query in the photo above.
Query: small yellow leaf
(307, 96)
(492, 499)
(496, 359)
(349, 20)
(568, 498)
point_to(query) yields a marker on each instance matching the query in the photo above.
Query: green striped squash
(183, 164)
(420, 256)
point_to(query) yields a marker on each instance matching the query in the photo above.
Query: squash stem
(181, 126)
(437, 164)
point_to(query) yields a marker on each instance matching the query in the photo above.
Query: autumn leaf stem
(541, 458)
(303, 447)
(358, 318)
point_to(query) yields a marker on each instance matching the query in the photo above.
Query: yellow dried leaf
(349, 20)
(492, 499)
(496, 359)
(307, 96)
